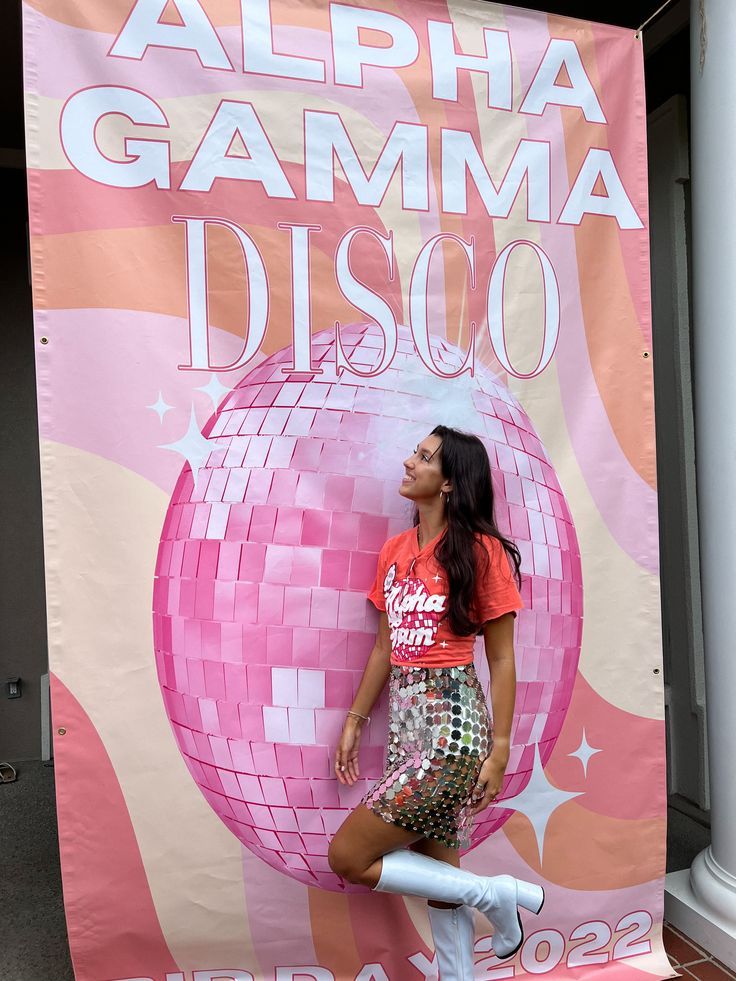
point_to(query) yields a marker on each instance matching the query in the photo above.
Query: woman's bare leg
(362, 839)
(435, 849)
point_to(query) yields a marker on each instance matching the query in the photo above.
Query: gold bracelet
(365, 718)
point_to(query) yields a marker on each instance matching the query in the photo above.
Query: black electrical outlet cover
(13, 688)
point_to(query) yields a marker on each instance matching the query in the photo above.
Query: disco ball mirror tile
(261, 622)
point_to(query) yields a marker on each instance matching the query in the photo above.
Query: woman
(438, 585)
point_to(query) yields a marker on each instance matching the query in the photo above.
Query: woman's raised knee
(342, 861)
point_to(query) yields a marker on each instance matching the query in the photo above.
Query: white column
(702, 900)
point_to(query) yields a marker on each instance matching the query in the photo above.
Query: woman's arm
(376, 671)
(498, 635)
(372, 683)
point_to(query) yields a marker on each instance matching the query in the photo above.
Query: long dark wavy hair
(470, 514)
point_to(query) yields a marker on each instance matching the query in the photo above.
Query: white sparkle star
(539, 800)
(160, 407)
(193, 446)
(458, 404)
(444, 643)
(584, 753)
(215, 390)
(437, 578)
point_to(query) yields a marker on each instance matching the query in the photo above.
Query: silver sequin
(439, 735)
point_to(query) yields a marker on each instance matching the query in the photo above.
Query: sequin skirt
(439, 734)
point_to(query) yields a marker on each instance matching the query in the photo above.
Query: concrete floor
(34, 944)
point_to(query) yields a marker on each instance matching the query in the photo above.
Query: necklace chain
(420, 538)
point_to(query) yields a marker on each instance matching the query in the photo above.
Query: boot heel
(529, 895)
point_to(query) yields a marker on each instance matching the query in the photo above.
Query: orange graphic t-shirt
(411, 587)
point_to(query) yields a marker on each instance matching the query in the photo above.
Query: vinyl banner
(274, 244)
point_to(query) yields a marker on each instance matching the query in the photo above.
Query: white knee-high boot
(497, 897)
(454, 936)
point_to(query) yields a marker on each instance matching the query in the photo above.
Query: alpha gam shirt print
(411, 587)
(414, 614)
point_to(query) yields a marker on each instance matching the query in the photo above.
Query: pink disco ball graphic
(261, 623)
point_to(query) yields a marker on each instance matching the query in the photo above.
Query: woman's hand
(375, 675)
(346, 755)
(489, 782)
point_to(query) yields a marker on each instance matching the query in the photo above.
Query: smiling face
(423, 478)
